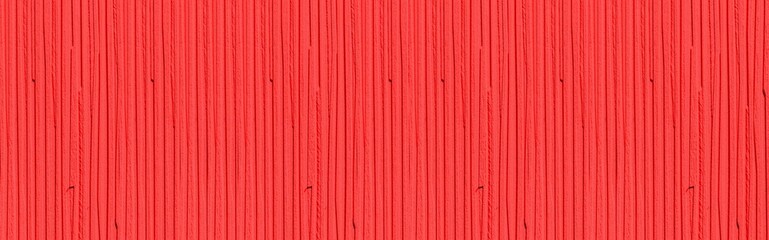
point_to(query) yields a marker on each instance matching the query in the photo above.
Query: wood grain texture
(384, 119)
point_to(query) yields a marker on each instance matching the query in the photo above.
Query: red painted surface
(383, 119)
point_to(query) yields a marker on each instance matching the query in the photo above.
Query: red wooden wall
(383, 119)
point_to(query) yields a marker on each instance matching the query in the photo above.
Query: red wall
(383, 119)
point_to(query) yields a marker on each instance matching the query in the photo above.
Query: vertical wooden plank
(4, 158)
(193, 122)
(760, 107)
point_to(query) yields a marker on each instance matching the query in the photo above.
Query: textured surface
(383, 119)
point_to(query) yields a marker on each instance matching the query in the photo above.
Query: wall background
(394, 119)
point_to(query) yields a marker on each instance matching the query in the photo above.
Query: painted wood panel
(383, 119)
